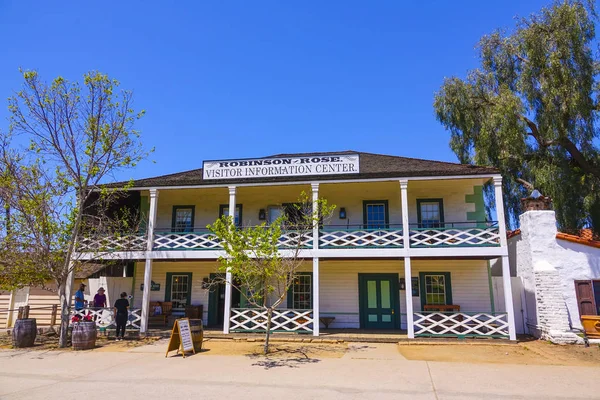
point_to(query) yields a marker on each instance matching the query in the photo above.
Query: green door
(379, 301)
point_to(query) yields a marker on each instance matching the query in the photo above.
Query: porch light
(342, 213)
(262, 215)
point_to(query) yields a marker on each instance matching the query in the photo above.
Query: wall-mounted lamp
(262, 215)
(342, 213)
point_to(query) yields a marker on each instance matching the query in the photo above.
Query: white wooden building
(395, 218)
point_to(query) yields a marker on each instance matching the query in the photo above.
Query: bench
(162, 317)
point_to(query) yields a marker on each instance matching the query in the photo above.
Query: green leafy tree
(531, 110)
(64, 139)
(261, 268)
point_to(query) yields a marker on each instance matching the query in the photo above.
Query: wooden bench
(166, 307)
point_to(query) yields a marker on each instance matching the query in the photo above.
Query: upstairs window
(375, 214)
(224, 210)
(183, 219)
(430, 213)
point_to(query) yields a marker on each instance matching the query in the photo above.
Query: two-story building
(408, 246)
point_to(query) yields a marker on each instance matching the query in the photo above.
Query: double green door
(379, 301)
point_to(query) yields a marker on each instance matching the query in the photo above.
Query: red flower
(75, 318)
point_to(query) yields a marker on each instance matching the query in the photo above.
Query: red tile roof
(585, 237)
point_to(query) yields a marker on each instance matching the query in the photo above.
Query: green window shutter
(448, 286)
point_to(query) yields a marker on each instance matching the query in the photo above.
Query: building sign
(281, 166)
(154, 287)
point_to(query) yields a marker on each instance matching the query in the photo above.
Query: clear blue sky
(246, 79)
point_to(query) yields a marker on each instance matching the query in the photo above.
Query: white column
(508, 297)
(410, 329)
(315, 210)
(315, 290)
(148, 266)
(315, 283)
(228, 276)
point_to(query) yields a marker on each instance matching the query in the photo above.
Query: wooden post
(228, 276)
(20, 313)
(315, 278)
(410, 328)
(148, 266)
(26, 312)
(53, 316)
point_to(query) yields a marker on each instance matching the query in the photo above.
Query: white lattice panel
(361, 238)
(113, 243)
(105, 318)
(252, 319)
(454, 237)
(295, 240)
(461, 324)
(186, 241)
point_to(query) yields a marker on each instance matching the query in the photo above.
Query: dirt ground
(49, 341)
(277, 349)
(535, 352)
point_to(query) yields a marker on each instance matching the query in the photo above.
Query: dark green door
(379, 301)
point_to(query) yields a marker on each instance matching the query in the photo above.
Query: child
(121, 314)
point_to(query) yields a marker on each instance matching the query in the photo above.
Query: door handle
(393, 312)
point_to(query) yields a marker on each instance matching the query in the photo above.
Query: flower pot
(83, 336)
(24, 332)
(591, 325)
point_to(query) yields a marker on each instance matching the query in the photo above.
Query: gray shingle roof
(371, 166)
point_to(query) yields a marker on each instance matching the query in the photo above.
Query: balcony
(447, 235)
(455, 234)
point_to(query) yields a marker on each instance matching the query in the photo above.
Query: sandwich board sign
(181, 337)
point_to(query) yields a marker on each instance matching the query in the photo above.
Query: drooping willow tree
(531, 109)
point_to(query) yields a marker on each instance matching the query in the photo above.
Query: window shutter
(585, 298)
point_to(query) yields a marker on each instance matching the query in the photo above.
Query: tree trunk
(64, 316)
(269, 314)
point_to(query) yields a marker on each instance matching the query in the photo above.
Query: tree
(64, 139)
(531, 109)
(262, 268)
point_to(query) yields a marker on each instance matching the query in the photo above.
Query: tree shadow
(283, 358)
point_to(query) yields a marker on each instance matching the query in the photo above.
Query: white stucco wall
(538, 249)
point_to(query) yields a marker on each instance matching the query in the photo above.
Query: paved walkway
(370, 370)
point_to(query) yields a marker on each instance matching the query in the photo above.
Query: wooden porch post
(228, 277)
(315, 282)
(508, 297)
(410, 329)
(148, 266)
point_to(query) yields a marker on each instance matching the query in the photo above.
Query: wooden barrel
(24, 332)
(83, 336)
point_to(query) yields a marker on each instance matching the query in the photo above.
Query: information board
(181, 338)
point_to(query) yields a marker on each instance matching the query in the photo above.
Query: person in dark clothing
(121, 315)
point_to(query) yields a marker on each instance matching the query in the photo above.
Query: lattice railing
(132, 242)
(105, 318)
(186, 241)
(461, 324)
(455, 237)
(295, 240)
(255, 320)
(355, 237)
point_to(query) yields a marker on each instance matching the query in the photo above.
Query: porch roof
(372, 166)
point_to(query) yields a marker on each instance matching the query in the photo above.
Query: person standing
(121, 315)
(100, 299)
(99, 303)
(80, 298)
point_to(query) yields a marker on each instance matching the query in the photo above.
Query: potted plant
(83, 336)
